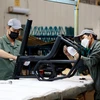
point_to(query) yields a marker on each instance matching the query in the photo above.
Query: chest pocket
(5, 46)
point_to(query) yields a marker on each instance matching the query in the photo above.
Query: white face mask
(85, 43)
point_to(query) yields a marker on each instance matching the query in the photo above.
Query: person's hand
(13, 58)
(76, 56)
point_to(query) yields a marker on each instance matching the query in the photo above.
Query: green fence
(49, 33)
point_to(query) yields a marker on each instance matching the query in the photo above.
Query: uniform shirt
(6, 65)
(93, 63)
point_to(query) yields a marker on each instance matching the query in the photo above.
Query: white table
(26, 89)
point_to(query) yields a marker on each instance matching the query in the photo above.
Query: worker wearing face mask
(88, 40)
(11, 46)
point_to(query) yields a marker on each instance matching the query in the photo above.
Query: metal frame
(64, 1)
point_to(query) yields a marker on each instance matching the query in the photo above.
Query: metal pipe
(70, 2)
(25, 37)
(76, 18)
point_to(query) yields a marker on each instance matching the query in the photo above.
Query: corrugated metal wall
(89, 17)
(51, 14)
(45, 13)
(88, 1)
(5, 16)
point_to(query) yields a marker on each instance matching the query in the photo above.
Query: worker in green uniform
(10, 48)
(88, 39)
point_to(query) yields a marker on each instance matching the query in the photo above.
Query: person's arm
(93, 58)
(6, 55)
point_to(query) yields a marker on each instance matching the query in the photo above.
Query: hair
(94, 36)
(9, 26)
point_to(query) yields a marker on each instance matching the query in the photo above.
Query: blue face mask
(13, 35)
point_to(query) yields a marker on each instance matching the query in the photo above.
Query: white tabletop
(25, 89)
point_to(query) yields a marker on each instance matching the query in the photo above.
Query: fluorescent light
(18, 10)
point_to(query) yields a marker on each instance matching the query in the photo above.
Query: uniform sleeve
(0, 43)
(94, 58)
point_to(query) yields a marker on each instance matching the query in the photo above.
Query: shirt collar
(6, 39)
(8, 42)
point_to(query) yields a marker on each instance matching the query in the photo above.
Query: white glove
(71, 51)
